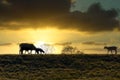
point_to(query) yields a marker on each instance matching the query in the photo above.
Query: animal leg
(37, 52)
(115, 51)
(108, 52)
(20, 51)
(111, 52)
(30, 51)
(25, 51)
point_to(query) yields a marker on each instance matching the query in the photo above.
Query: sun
(47, 47)
(39, 43)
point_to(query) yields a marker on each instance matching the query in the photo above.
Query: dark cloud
(63, 44)
(94, 19)
(18, 14)
(32, 9)
(37, 13)
(5, 44)
(93, 43)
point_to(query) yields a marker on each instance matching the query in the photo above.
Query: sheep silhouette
(27, 47)
(39, 50)
(111, 49)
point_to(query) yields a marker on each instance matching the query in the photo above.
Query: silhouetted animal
(111, 49)
(26, 47)
(39, 50)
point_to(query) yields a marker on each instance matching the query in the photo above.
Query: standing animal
(39, 50)
(111, 49)
(26, 47)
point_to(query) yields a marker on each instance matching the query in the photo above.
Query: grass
(60, 67)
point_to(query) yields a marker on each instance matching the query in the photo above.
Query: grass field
(60, 67)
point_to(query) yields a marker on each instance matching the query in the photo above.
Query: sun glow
(41, 38)
(37, 44)
(47, 47)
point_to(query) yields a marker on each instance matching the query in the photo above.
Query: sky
(50, 24)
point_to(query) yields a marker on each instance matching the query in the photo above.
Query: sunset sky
(88, 24)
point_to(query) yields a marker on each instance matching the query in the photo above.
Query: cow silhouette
(111, 49)
(39, 50)
(26, 47)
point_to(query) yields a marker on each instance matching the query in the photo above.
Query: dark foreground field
(60, 67)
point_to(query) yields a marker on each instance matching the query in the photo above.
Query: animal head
(105, 47)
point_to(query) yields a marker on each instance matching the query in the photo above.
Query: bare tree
(69, 50)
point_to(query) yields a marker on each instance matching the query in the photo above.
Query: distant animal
(111, 49)
(26, 47)
(39, 50)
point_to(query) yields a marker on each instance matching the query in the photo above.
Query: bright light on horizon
(45, 38)
(49, 48)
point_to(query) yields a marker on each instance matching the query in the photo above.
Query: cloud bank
(5, 44)
(20, 14)
(94, 43)
(95, 19)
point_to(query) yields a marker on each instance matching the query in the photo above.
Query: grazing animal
(26, 47)
(111, 49)
(39, 50)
